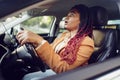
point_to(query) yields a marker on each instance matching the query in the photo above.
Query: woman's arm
(53, 60)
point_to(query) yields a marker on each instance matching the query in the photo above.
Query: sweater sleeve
(53, 60)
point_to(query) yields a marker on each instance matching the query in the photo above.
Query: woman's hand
(25, 36)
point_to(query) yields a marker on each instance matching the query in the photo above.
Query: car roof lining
(112, 6)
(60, 11)
(13, 7)
(53, 7)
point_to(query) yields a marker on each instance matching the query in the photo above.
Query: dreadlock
(85, 29)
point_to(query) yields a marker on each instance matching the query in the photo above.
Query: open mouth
(66, 22)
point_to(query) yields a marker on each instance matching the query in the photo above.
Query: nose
(66, 19)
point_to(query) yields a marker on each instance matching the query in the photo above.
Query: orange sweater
(47, 54)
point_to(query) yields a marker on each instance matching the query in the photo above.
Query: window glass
(38, 25)
(113, 22)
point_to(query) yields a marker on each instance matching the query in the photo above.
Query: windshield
(12, 21)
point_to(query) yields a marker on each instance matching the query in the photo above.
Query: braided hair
(85, 29)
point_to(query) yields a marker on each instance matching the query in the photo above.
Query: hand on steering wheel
(22, 59)
(29, 47)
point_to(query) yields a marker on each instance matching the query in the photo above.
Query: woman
(72, 49)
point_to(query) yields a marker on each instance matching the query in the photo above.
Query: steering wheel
(21, 61)
(36, 61)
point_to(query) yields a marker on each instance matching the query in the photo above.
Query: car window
(39, 25)
(114, 22)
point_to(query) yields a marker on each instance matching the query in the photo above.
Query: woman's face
(72, 20)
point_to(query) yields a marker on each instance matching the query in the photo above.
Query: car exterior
(43, 17)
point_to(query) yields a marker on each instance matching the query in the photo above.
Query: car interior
(105, 38)
(21, 60)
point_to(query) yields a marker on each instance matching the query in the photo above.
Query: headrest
(99, 15)
(62, 23)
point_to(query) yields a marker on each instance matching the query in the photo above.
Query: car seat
(105, 39)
